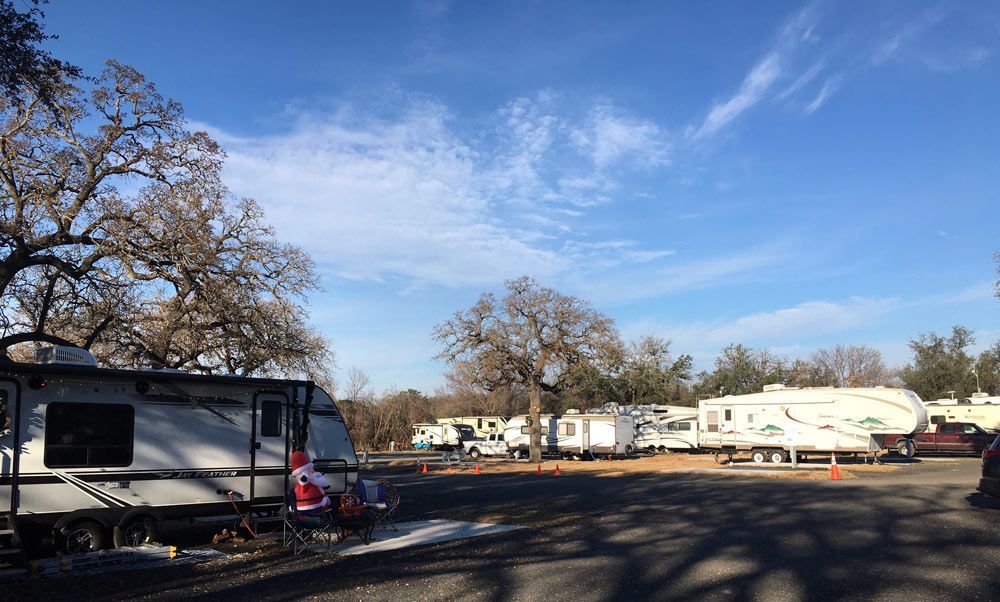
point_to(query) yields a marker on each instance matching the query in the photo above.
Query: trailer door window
(713, 422)
(88, 434)
(729, 415)
(270, 418)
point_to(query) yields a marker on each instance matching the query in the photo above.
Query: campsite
(500, 300)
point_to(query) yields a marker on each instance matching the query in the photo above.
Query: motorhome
(659, 428)
(574, 435)
(92, 456)
(812, 420)
(481, 425)
(431, 435)
(979, 409)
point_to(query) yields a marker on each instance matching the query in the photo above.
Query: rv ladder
(13, 561)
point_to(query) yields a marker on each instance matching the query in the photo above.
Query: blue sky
(782, 174)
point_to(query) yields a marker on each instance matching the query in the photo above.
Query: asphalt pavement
(922, 533)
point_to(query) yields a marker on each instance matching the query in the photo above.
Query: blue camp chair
(381, 498)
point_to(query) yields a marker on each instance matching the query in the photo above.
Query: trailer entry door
(267, 447)
(585, 437)
(727, 426)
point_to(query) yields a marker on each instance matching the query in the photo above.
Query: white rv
(88, 452)
(979, 409)
(659, 428)
(813, 420)
(481, 425)
(430, 435)
(573, 435)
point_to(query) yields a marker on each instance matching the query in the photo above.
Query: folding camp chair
(354, 518)
(301, 529)
(382, 498)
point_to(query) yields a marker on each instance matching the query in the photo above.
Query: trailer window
(88, 434)
(270, 418)
(525, 430)
(729, 415)
(713, 422)
(938, 419)
(491, 424)
(679, 426)
(567, 428)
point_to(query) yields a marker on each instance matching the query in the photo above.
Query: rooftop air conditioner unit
(774, 387)
(68, 356)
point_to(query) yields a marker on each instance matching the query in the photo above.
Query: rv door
(727, 425)
(585, 438)
(267, 447)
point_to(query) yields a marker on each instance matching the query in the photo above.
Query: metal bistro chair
(382, 499)
(302, 529)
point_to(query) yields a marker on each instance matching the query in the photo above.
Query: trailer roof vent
(69, 356)
(774, 387)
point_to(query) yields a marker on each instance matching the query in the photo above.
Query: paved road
(921, 534)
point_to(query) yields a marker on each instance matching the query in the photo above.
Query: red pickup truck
(961, 437)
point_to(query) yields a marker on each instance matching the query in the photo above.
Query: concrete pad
(418, 533)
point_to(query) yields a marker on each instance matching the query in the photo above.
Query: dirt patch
(648, 464)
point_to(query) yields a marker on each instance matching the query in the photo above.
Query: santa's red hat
(300, 463)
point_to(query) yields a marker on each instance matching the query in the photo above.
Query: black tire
(777, 456)
(652, 449)
(758, 456)
(135, 532)
(629, 450)
(475, 454)
(906, 448)
(84, 536)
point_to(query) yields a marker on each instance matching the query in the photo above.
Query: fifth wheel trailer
(575, 434)
(88, 452)
(659, 428)
(812, 420)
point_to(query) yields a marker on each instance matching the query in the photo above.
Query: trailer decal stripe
(97, 495)
(40, 478)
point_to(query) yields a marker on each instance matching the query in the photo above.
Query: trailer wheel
(778, 456)
(652, 449)
(906, 448)
(135, 532)
(475, 454)
(629, 450)
(83, 537)
(758, 456)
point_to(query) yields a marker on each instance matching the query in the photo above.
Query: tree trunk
(535, 430)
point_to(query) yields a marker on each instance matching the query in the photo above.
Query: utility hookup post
(795, 458)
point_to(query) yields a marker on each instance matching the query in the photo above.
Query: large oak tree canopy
(528, 338)
(118, 235)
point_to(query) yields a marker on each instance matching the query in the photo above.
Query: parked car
(990, 483)
(955, 437)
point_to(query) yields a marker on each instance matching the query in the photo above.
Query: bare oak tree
(117, 235)
(852, 366)
(527, 339)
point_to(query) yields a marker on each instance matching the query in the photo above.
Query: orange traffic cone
(539, 473)
(557, 473)
(424, 469)
(477, 468)
(834, 471)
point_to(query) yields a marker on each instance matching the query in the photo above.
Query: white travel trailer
(979, 409)
(659, 428)
(87, 452)
(482, 425)
(813, 420)
(430, 435)
(575, 434)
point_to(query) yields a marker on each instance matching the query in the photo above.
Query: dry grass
(652, 464)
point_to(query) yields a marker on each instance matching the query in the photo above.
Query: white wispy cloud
(797, 30)
(417, 197)
(905, 34)
(807, 76)
(829, 87)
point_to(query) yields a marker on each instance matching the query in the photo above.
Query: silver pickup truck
(492, 445)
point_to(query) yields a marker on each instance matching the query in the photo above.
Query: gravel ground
(917, 533)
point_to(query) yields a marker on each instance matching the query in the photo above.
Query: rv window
(491, 424)
(525, 430)
(749, 418)
(270, 418)
(567, 428)
(684, 426)
(479, 421)
(713, 422)
(500, 437)
(88, 434)
(938, 420)
(729, 415)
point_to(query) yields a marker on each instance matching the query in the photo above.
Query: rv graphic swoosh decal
(101, 496)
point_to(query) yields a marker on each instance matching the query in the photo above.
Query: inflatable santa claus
(309, 485)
